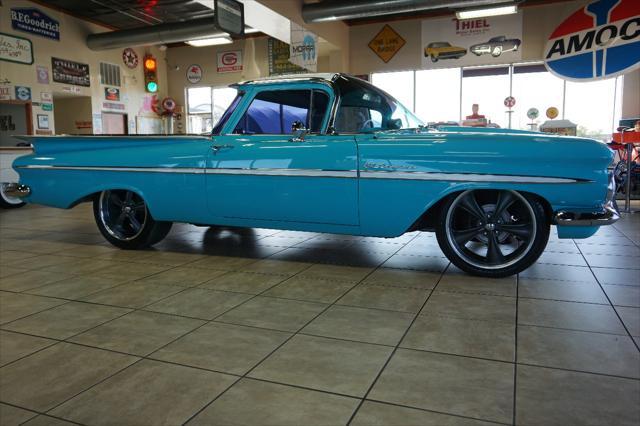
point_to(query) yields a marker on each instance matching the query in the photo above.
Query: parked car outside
(496, 46)
(332, 153)
(443, 50)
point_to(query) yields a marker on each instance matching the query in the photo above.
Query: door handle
(217, 148)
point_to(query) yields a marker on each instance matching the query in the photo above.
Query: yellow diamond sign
(386, 43)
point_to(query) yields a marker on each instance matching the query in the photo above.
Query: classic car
(443, 50)
(495, 46)
(8, 176)
(332, 153)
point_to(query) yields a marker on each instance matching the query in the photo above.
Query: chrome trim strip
(118, 169)
(286, 172)
(462, 177)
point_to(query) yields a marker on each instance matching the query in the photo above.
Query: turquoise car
(332, 153)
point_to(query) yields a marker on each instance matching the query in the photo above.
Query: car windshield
(225, 117)
(365, 108)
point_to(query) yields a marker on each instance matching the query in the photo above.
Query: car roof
(292, 77)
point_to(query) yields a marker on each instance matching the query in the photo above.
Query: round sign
(533, 113)
(168, 104)
(130, 58)
(229, 58)
(509, 101)
(600, 40)
(194, 73)
(552, 112)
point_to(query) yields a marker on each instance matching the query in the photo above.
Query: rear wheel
(125, 221)
(497, 51)
(492, 233)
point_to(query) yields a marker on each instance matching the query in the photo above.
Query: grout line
(515, 353)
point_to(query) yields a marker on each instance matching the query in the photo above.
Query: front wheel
(125, 221)
(492, 233)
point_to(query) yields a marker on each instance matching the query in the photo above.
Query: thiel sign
(600, 40)
(35, 21)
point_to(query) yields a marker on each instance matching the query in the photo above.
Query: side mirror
(299, 131)
(394, 124)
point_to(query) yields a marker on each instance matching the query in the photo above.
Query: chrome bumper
(608, 215)
(17, 190)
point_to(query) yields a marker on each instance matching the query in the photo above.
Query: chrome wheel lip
(485, 266)
(10, 200)
(102, 209)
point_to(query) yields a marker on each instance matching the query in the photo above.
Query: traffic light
(150, 74)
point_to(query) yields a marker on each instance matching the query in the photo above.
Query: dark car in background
(495, 46)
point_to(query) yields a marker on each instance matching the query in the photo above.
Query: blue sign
(23, 93)
(600, 40)
(34, 21)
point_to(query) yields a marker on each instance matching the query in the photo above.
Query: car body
(365, 166)
(443, 50)
(495, 46)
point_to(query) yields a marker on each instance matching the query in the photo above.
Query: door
(114, 123)
(15, 119)
(262, 172)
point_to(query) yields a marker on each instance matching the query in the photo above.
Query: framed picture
(43, 121)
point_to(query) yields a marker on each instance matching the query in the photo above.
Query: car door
(261, 171)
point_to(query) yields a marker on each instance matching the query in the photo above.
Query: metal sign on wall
(15, 49)
(600, 40)
(70, 72)
(35, 21)
(230, 61)
(450, 42)
(303, 48)
(386, 43)
(279, 59)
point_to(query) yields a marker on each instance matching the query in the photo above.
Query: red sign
(230, 61)
(509, 101)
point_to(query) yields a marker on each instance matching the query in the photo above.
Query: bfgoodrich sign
(599, 41)
(35, 21)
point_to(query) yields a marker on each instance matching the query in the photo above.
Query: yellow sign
(552, 112)
(386, 43)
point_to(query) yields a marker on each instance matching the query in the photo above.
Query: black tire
(7, 202)
(124, 220)
(477, 228)
(434, 58)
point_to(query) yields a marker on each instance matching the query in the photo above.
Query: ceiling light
(209, 41)
(491, 11)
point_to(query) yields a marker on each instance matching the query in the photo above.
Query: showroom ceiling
(125, 14)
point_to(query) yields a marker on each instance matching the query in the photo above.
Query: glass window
(438, 95)
(487, 88)
(221, 99)
(274, 112)
(591, 106)
(225, 116)
(534, 89)
(199, 110)
(397, 84)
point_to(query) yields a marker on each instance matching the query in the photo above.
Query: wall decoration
(303, 48)
(46, 107)
(23, 93)
(46, 97)
(601, 40)
(552, 112)
(130, 58)
(43, 121)
(5, 93)
(16, 49)
(194, 73)
(279, 59)
(113, 106)
(97, 123)
(70, 72)
(169, 105)
(230, 61)
(448, 42)
(71, 89)
(112, 93)
(83, 124)
(386, 43)
(42, 73)
(35, 21)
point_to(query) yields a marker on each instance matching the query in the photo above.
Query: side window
(273, 112)
(355, 119)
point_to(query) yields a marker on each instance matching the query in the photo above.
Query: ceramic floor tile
(277, 314)
(606, 261)
(251, 402)
(30, 280)
(335, 272)
(14, 346)
(384, 297)
(464, 283)
(360, 324)
(347, 368)
(130, 271)
(14, 416)
(149, 392)
(617, 276)
(471, 306)
(184, 276)
(631, 319)
(133, 295)
(76, 287)
(570, 291)
(14, 306)
(223, 263)
(310, 289)
(138, 333)
(43, 420)
(66, 320)
(51, 376)
(558, 398)
(418, 263)
(578, 350)
(448, 384)
(223, 347)
(482, 339)
(558, 272)
(379, 414)
(623, 295)
(570, 315)
(403, 278)
(199, 303)
(244, 282)
(280, 267)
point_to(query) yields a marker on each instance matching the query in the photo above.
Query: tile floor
(255, 326)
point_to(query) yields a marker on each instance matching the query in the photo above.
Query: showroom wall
(134, 101)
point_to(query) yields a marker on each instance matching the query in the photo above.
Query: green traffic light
(152, 86)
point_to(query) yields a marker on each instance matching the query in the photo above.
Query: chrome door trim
(187, 170)
(285, 172)
(463, 177)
